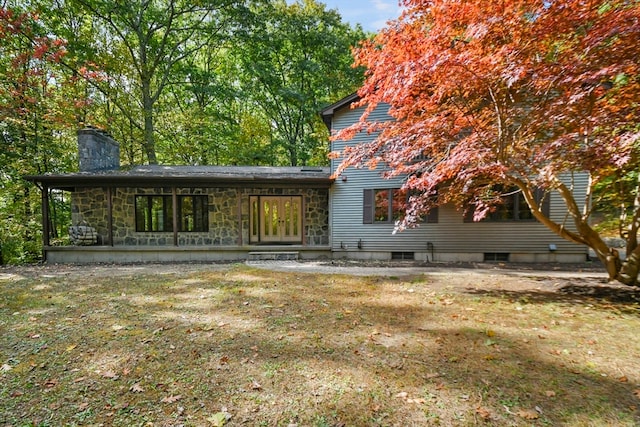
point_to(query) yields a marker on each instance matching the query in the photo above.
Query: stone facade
(229, 213)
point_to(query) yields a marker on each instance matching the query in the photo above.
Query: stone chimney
(97, 151)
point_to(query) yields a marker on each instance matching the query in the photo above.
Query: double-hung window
(388, 205)
(155, 213)
(514, 207)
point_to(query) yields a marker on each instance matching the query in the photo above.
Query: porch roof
(191, 176)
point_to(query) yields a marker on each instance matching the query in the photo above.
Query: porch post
(174, 206)
(303, 221)
(110, 215)
(239, 198)
(45, 219)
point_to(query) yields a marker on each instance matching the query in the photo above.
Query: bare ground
(587, 278)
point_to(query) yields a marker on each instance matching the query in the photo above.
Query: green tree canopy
(296, 59)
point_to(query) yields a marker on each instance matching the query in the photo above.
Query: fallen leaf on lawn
(419, 401)
(71, 347)
(51, 383)
(117, 328)
(255, 385)
(16, 393)
(34, 336)
(136, 388)
(550, 393)
(490, 333)
(402, 395)
(171, 399)
(110, 374)
(528, 414)
(219, 419)
(483, 413)
(636, 393)
(6, 368)
(623, 379)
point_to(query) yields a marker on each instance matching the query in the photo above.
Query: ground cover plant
(237, 345)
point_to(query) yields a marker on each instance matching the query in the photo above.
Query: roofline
(71, 182)
(328, 111)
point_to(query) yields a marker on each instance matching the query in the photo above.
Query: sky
(371, 14)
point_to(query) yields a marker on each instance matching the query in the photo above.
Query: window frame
(517, 201)
(370, 207)
(196, 220)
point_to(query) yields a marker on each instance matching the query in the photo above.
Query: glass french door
(280, 219)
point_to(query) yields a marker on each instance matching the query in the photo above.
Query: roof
(328, 111)
(192, 176)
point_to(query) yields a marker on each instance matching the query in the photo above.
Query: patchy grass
(241, 346)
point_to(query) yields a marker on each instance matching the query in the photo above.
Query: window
(496, 256)
(155, 213)
(386, 206)
(514, 207)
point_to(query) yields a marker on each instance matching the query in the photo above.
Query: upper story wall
(451, 233)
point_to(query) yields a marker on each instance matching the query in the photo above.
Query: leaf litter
(349, 351)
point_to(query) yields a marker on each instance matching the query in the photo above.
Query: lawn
(244, 346)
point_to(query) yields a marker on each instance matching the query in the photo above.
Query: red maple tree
(489, 94)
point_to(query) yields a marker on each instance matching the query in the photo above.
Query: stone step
(273, 256)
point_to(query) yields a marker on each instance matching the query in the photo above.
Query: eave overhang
(190, 176)
(328, 112)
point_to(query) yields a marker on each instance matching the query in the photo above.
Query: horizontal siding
(451, 234)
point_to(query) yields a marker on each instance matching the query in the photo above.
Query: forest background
(216, 82)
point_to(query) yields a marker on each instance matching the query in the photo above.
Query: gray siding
(451, 235)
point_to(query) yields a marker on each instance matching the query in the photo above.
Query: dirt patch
(587, 279)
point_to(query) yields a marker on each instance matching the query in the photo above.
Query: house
(206, 213)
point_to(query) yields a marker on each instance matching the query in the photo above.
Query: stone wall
(89, 206)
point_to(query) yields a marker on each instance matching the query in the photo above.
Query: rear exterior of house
(361, 217)
(209, 213)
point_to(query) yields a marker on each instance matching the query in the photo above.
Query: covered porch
(191, 213)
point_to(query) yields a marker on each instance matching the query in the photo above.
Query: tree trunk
(609, 257)
(149, 141)
(628, 274)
